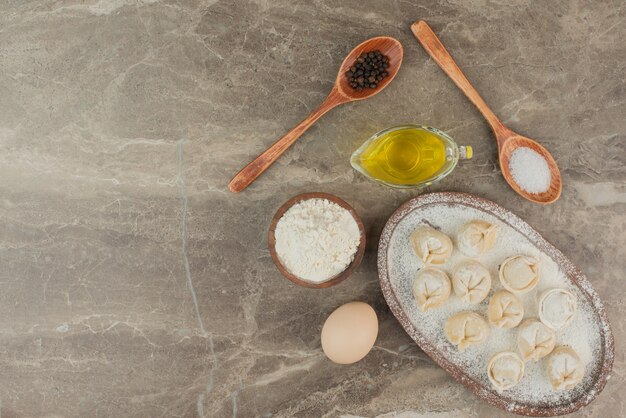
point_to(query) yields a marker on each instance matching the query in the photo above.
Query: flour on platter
(582, 334)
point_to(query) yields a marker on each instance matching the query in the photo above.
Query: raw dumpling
(505, 370)
(565, 369)
(505, 310)
(519, 274)
(431, 288)
(535, 340)
(432, 246)
(557, 308)
(471, 281)
(465, 329)
(477, 237)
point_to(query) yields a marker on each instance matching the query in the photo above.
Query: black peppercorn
(368, 70)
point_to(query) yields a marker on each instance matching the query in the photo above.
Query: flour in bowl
(316, 239)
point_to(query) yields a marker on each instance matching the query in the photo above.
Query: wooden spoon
(508, 141)
(340, 94)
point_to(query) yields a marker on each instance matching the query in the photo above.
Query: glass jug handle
(466, 152)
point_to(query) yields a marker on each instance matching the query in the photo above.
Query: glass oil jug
(408, 156)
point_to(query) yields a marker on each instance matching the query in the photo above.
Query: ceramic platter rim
(570, 270)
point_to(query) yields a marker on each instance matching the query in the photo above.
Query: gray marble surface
(134, 284)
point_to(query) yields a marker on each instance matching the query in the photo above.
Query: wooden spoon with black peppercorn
(366, 70)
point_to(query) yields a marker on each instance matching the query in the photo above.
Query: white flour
(316, 239)
(582, 334)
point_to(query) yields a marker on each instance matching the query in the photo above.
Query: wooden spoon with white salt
(528, 167)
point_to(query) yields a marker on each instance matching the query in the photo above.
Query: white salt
(530, 170)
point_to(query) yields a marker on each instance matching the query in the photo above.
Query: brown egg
(349, 332)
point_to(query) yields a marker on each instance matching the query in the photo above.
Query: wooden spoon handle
(442, 57)
(261, 163)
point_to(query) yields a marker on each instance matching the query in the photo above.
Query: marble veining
(134, 284)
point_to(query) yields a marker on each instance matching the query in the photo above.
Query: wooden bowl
(335, 279)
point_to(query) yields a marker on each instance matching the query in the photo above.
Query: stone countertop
(134, 284)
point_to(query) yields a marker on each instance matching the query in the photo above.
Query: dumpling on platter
(519, 274)
(431, 288)
(477, 237)
(505, 310)
(430, 245)
(535, 340)
(471, 281)
(505, 370)
(557, 308)
(565, 368)
(466, 329)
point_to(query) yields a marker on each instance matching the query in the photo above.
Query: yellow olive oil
(406, 156)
